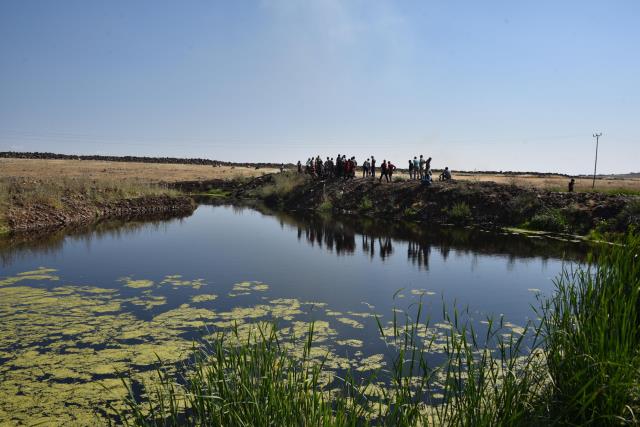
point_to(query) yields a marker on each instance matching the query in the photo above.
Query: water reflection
(25, 245)
(344, 236)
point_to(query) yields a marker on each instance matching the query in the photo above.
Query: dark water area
(335, 260)
(225, 264)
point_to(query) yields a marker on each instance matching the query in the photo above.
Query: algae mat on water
(64, 346)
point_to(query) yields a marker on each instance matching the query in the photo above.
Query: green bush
(460, 213)
(410, 212)
(548, 220)
(282, 184)
(570, 219)
(325, 206)
(523, 206)
(628, 217)
(366, 204)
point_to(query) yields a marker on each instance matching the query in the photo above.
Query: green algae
(203, 298)
(351, 322)
(63, 347)
(51, 379)
(148, 301)
(371, 363)
(245, 288)
(136, 284)
(40, 274)
(177, 281)
(350, 343)
(38, 271)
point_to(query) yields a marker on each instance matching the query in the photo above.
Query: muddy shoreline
(75, 212)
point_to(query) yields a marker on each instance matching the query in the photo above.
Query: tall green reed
(593, 339)
(578, 364)
(254, 380)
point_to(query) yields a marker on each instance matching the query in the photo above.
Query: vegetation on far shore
(464, 204)
(577, 365)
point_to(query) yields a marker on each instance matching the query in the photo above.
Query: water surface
(74, 308)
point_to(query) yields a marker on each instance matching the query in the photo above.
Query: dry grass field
(552, 182)
(157, 173)
(142, 172)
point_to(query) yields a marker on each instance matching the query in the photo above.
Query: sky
(477, 85)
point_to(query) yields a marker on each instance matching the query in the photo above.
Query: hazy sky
(486, 85)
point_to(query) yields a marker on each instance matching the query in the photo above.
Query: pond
(77, 308)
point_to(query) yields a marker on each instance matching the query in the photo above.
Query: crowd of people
(346, 168)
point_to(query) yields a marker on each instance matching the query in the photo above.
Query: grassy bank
(23, 200)
(578, 365)
(456, 202)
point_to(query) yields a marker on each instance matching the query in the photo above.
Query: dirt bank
(483, 203)
(76, 210)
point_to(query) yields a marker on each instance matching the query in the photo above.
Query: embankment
(77, 211)
(460, 202)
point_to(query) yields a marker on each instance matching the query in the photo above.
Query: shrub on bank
(325, 206)
(281, 185)
(365, 204)
(460, 213)
(570, 219)
(548, 220)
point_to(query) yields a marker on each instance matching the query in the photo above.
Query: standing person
(354, 166)
(390, 168)
(427, 166)
(348, 165)
(422, 163)
(383, 171)
(345, 165)
(373, 167)
(339, 166)
(410, 169)
(572, 184)
(365, 169)
(416, 167)
(299, 167)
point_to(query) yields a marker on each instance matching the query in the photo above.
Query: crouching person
(445, 175)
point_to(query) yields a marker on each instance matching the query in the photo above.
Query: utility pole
(595, 166)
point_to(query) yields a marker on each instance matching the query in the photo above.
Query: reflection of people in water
(444, 250)
(418, 253)
(365, 243)
(344, 241)
(386, 249)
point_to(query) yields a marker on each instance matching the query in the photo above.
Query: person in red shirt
(383, 171)
(390, 168)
